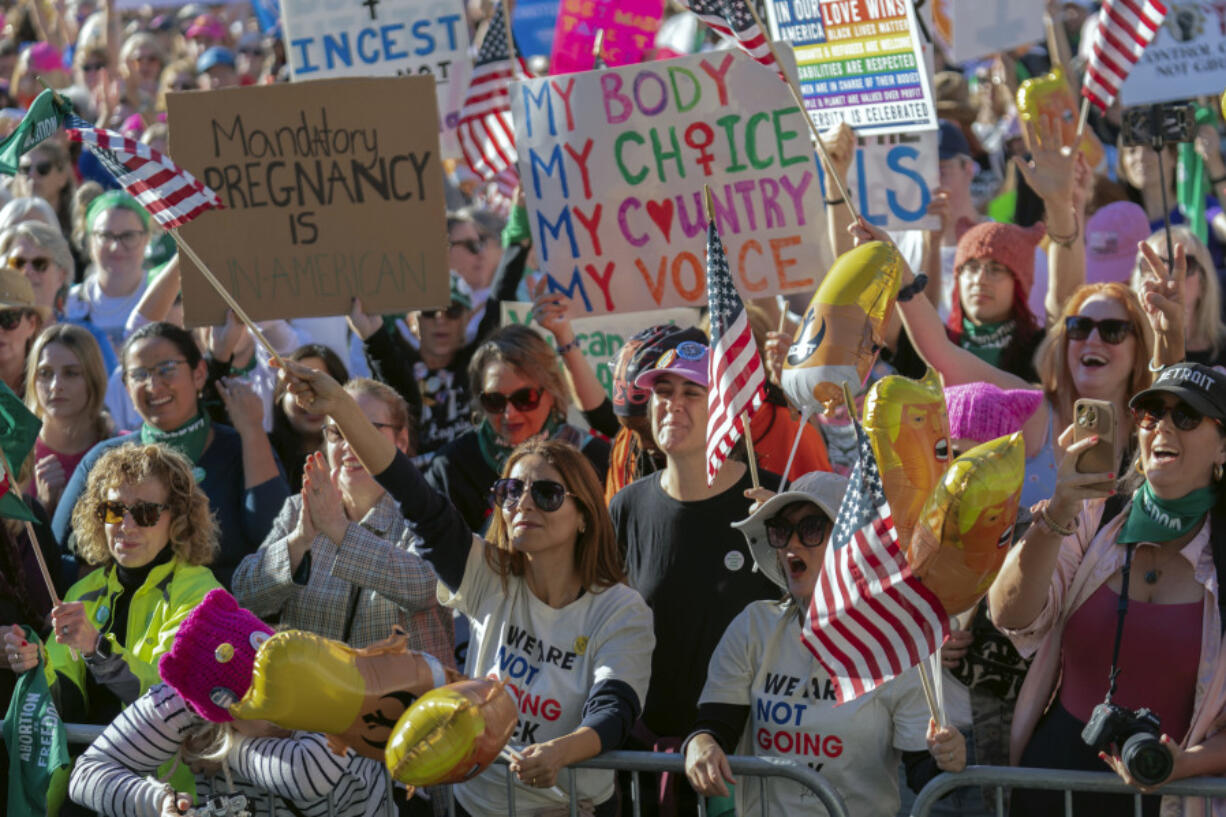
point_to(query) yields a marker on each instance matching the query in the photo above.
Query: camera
(1158, 125)
(1138, 736)
(232, 805)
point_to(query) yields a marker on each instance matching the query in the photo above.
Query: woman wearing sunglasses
(762, 666)
(145, 525)
(1058, 597)
(46, 172)
(545, 595)
(21, 318)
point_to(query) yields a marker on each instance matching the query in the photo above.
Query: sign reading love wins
(613, 165)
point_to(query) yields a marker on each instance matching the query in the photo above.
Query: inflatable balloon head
(906, 423)
(1051, 96)
(305, 681)
(213, 656)
(966, 526)
(843, 327)
(981, 412)
(451, 734)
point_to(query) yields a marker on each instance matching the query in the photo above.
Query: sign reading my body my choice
(613, 165)
(333, 190)
(370, 38)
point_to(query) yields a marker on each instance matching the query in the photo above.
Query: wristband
(1046, 521)
(1066, 241)
(835, 202)
(912, 289)
(570, 347)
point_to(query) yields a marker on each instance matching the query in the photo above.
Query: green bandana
(496, 452)
(188, 440)
(987, 341)
(1160, 520)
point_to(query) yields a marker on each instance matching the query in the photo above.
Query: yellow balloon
(966, 526)
(452, 733)
(1050, 96)
(908, 426)
(1223, 104)
(843, 327)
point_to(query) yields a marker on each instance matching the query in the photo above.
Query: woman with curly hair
(145, 523)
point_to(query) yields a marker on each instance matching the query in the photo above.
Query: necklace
(1155, 572)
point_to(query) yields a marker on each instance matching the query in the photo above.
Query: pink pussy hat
(210, 663)
(982, 412)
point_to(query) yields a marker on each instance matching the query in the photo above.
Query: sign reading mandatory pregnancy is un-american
(380, 38)
(613, 165)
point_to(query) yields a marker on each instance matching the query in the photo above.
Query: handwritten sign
(982, 27)
(859, 62)
(613, 165)
(1186, 59)
(629, 27)
(533, 24)
(892, 179)
(384, 38)
(333, 189)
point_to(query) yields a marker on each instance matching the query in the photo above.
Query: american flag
(734, 369)
(1124, 28)
(170, 194)
(487, 134)
(870, 619)
(732, 18)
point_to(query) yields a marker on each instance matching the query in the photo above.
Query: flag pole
(817, 136)
(38, 553)
(929, 694)
(1081, 122)
(598, 46)
(805, 414)
(506, 22)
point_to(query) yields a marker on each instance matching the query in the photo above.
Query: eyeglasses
(990, 269)
(1111, 330)
(811, 529)
(127, 239)
(453, 312)
(1149, 412)
(162, 371)
(183, 86)
(524, 399)
(145, 514)
(36, 168)
(18, 262)
(547, 495)
(473, 245)
(332, 432)
(91, 67)
(10, 319)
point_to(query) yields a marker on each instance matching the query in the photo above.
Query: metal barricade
(1009, 777)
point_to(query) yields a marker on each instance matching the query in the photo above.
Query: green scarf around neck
(495, 452)
(189, 440)
(1154, 519)
(987, 341)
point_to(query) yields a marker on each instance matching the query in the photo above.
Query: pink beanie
(210, 663)
(982, 412)
(1007, 244)
(1112, 235)
(45, 58)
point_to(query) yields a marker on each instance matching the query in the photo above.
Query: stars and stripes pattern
(870, 619)
(732, 18)
(734, 369)
(486, 130)
(170, 194)
(1124, 28)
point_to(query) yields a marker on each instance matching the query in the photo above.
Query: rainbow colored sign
(860, 61)
(613, 164)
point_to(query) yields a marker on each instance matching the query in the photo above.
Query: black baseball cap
(1201, 387)
(952, 141)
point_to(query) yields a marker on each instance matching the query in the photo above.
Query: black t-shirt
(696, 573)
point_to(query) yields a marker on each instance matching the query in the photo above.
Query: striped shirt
(115, 775)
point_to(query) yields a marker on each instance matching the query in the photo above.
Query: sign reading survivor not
(333, 190)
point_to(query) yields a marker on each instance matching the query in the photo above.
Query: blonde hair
(193, 531)
(1207, 312)
(82, 344)
(46, 237)
(525, 351)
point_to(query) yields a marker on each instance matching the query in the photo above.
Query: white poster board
(1186, 59)
(892, 179)
(982, 27)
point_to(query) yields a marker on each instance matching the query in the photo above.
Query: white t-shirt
(761, 663)
(110, 315)
(549, 660)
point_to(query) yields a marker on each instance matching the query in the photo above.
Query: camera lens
(1147, 760)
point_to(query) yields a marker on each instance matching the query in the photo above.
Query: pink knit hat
(210, 663)
(1112, 235)
(1007, 244)
(982, 412)
(45, 58)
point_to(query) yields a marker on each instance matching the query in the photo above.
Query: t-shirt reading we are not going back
(761, 663)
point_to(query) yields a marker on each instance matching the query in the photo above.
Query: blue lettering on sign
(894, 160)
(374, 44)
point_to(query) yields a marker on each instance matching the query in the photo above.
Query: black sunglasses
(1111, 330)
(145, 514)
(811, 529)
(90, 67)
(524, 399)
(1149, 412)
(19, 262)
(547, 495)
(471, 244)
(38, 168)
(453, 312)
(10, 319)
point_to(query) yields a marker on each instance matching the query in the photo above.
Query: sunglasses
(91, 67)
(1149, 412)
(332, 432)
(811, 529)
(471, 244)
(145, 514)
(36, 168)
(1111, 330)
(547, 495)
(10, 319)
(524, 399)
(162, 371)
(453, 312)
(18, 262)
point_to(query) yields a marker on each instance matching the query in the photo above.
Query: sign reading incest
(328, 196)
(613, 165)
(384, 38)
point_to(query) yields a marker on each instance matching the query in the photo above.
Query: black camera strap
(1122, 609)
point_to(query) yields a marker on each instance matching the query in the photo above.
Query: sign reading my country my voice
(333, 189)
(613, 165)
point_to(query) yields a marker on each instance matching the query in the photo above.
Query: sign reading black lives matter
(333, 189)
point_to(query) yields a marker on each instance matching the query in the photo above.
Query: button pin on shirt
(734, 560)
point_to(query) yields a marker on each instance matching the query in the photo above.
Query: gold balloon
(966, 526)
(304, 681)
(908, 426)
(1051, 96)
(843, 328)
(452, 733)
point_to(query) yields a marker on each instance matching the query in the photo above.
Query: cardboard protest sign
(1186, 59)
(602, 336)
(333, 189)
(859, 61)
(533, 24)
(384, 38)
(613, 165)
(892, 179)
(629, 27)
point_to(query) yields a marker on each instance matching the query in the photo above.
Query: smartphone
(1095, 417)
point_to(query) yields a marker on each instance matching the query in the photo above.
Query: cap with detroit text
(1201, 387)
